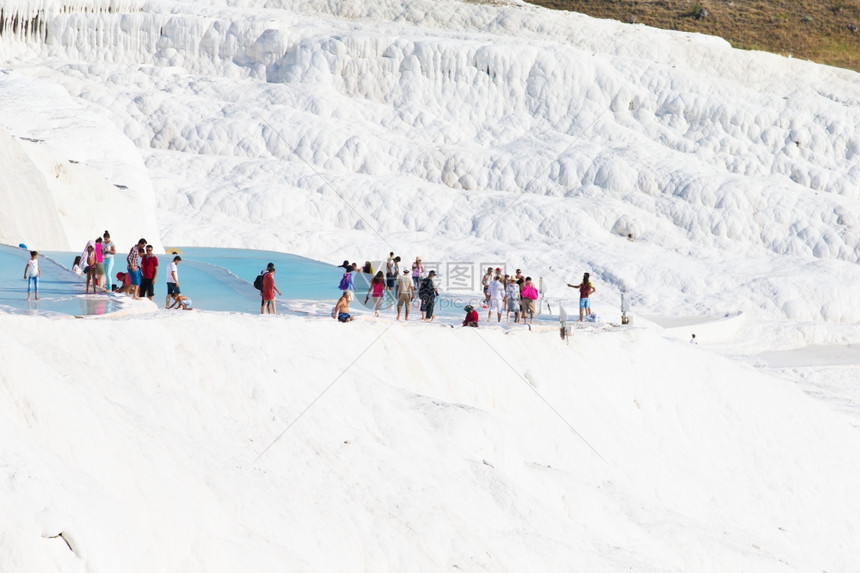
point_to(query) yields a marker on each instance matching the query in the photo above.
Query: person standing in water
(377, 290)
(417, 272)
(269, 289)
(90, 269)
(428, 293)
(32, 272)
(148, 273)
(108, 251)
(585, 289)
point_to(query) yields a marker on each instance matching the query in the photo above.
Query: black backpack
(258, 282)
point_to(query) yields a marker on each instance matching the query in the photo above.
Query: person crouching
(471, 316)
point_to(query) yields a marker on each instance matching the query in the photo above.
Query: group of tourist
(509, 293)
(399, 282)
(512, 294)
(97, 262)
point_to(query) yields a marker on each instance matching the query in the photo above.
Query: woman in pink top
(377, 289)
(417, 271)
(585, 288)
(100, 267)
(530, 295)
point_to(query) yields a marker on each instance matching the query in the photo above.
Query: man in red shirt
(148, 273)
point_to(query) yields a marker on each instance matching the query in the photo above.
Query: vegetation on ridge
(824, 31)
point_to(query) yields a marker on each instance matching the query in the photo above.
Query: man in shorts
(148, 273)
(341, 309)
(405, 292)
(172, 280)
(485, 282)
(133, 264)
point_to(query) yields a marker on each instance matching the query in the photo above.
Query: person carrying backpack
(346, 285)
(268, 291)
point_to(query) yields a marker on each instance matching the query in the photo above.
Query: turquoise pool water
(214, 279)
(60, 290)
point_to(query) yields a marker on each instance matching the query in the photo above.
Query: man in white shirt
(172, 280)
(496, 292)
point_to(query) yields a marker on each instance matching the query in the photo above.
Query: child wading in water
(32, 272)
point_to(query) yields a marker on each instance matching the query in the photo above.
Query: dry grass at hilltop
(824, 31)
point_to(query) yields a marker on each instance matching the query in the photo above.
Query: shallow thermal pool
(215, 279)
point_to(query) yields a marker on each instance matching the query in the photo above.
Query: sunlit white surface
(717, 189)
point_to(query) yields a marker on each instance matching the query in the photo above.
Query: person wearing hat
(172, 280)
(427, 293)
(417, 271)
(123, 284)
(269, 288)
(471, 316)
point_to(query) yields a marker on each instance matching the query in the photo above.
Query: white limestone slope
(434, 448)
(545, 138)
(459, 132)
(69, 174)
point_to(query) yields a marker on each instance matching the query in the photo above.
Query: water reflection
(90, 306)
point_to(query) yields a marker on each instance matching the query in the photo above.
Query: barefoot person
(90, 269)
(427, 292)
(148, 273)
(181, 302)
(585, 288)
(100, 267)
(123, 284)
(530, 295)
(32, 272)
(172, 280)
(269, 289)
(108, 252)
(341, 309)
(471, 316)
(377, 289)
(405, 292)
(133, 266)
(497, 298)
